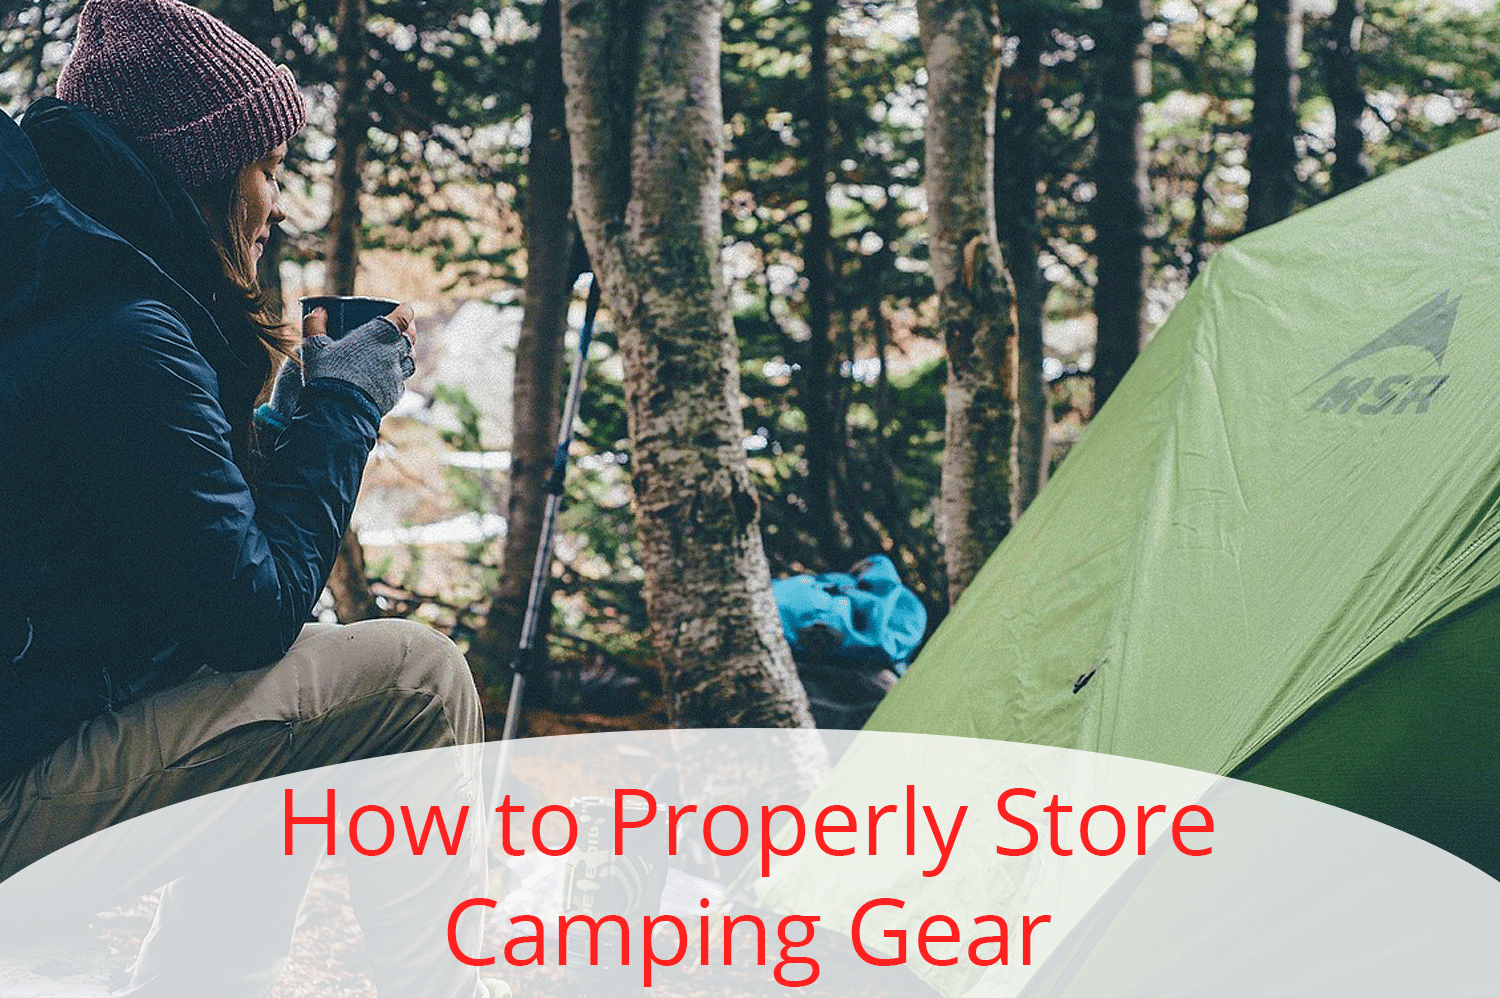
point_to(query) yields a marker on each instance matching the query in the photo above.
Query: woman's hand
(315, 323)
(375, 357)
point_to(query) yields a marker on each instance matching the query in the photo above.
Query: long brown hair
(245, 312)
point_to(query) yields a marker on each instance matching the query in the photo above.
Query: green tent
(1274, 555)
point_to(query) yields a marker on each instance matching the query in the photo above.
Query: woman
(157, 569)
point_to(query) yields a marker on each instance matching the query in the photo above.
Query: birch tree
(959, 42)
(646, 129)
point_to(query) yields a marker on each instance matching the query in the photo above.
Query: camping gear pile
(851, 634)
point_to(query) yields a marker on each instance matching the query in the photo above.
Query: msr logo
(1428, 329)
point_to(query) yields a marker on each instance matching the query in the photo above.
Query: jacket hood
(86, 210)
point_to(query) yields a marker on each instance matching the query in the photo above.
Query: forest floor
(328, 961)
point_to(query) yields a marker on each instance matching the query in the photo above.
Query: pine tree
(647, 132)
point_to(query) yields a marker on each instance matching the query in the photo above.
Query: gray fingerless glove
(375, 358)
(287, 389)
(274, 416)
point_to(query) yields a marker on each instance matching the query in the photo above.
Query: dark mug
(346, 312)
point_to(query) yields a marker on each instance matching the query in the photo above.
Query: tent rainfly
(1274, 554)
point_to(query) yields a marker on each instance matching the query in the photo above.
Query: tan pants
(342, 693)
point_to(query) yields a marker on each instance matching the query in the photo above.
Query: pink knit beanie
(182, 83)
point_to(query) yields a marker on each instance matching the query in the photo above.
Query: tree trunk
(647, 133)
(350, 136)
(1341, 78)
(1273, 124)
(1198, 227)
(352, 599)
(1119, 208)
(823, 440)
(975, 299)
(537, 391)
(1017, 175)
(348, 584)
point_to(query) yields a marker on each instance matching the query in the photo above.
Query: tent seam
(1138, 546)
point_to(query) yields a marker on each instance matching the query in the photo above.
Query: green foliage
(878, 265)
(1435, 70)
(597, 584)
(467, 436)
(600, 584)
(34, 39)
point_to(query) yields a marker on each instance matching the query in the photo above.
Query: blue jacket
(132, 549)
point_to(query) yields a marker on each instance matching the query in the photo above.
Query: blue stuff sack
(863, 618)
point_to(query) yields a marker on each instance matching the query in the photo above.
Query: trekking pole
(526, 655)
